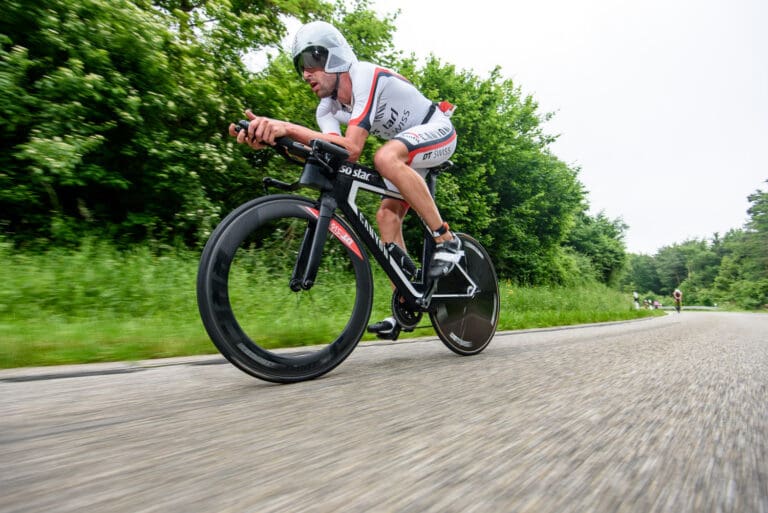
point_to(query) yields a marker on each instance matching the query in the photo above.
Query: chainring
(405, 316)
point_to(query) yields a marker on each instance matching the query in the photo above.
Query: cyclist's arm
(265, 130)
(353, 140)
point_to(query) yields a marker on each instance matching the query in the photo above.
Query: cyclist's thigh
(431, 144)
(428, 146)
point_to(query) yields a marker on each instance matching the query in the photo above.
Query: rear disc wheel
(467, 325)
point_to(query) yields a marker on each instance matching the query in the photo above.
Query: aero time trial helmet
(320, 44)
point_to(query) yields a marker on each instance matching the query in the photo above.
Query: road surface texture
(661, 415)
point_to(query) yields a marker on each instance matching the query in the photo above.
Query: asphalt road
(661, 415)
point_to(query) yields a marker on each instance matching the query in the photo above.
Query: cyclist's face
(322, 83)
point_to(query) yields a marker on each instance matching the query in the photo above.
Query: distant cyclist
(678, 297)
(369, 99)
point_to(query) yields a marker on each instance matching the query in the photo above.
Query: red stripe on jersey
(422, 149)
(377, 75)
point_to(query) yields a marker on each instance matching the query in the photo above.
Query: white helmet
(320, 44)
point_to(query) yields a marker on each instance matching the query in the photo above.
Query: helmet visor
(312, 57)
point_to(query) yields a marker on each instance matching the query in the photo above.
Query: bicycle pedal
(392, 335)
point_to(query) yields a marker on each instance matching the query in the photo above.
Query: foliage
(114, 117)
(641, 274)
(732, 270)
(742, 278)
(526, 307)
(506, 187)
(112, 120)
(113, 113)
(97, 303)
(601, 240)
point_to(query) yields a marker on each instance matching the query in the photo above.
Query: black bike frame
(339, 188)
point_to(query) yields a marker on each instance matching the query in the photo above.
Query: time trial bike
(302, 263)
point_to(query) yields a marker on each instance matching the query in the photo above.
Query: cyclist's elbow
(354, 142)
(354, 149)
(354, 152)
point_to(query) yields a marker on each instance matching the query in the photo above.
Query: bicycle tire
(243, 281)
(467, 326)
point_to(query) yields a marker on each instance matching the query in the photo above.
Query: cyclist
(678, 297)
(369, 99)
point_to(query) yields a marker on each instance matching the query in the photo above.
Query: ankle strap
(441, 231)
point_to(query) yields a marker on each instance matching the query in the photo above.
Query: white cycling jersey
(388, 106)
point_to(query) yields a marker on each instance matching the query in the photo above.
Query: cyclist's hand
(261, 131)
(243, 136)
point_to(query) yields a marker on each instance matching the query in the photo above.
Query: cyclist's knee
(392, 153)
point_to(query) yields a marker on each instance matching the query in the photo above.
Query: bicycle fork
(311, 250)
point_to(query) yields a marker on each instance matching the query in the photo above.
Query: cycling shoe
(388, 329)
(447, 255)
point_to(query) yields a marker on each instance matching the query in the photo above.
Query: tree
(113, 113)
(732, 269)
(758, 212)
(113, 118)
(671, 268)
(506, 187)
(642, 275)
(601, 240)
(743, 275)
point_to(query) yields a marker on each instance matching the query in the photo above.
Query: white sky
(663, 104)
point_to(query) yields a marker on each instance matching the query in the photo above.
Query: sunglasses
(312, 57)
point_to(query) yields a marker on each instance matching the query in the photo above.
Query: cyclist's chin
(321, 92)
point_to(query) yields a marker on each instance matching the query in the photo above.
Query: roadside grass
(99, 304)
(540, 307)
